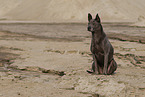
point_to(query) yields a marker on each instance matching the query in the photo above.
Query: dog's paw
(105, 73)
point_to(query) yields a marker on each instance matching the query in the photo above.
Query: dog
(101, 48)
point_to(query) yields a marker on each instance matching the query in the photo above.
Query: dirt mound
(71, 10)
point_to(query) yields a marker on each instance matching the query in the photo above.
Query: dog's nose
(89, 28)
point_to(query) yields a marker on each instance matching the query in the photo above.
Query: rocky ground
(50, 60)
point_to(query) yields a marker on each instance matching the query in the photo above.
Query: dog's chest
(96, 49)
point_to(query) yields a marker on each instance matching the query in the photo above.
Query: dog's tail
(90, 71)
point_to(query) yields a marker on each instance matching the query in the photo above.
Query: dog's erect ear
(97, 18)
(89, 16)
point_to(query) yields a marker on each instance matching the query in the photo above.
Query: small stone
(132, 50)
(18, 93)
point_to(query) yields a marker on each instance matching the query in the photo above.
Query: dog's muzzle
(89, 28)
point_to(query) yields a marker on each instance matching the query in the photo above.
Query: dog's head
(93, 24)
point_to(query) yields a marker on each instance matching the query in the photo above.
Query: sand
(45, 48)
(47, 64)
(71, 10)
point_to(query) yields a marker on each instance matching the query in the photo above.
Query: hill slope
(71, 10)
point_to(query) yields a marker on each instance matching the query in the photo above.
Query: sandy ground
(50, 60)
(71, 10)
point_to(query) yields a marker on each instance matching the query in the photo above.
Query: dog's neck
(98, 35)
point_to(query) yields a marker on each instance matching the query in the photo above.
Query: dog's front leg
(105, 64)
(95, 64)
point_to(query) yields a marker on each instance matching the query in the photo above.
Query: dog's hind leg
(112, 67)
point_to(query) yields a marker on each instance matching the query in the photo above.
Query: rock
(101, 87)
(132, 50)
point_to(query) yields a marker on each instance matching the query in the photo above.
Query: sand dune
(71, 10)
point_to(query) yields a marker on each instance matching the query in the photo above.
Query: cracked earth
(50, 60)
